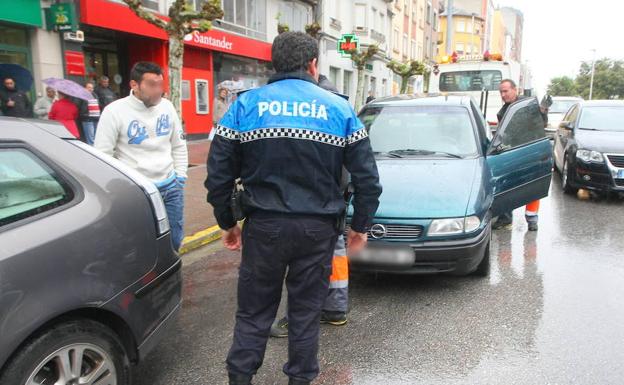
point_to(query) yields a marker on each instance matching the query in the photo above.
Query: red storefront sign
(106, 14)
(74, 63)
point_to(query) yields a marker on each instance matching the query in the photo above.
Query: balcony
(378, 36)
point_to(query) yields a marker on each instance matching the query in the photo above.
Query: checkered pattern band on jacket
(357, 136)
(292, 133)
(227, 133)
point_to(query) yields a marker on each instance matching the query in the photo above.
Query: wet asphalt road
(552, 312)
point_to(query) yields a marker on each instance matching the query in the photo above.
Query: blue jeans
(88, 128)
(173, 197)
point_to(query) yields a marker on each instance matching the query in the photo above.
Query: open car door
(520, 158)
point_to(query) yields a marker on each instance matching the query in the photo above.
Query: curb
(200, 239)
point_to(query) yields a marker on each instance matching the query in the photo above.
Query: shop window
(235, 73)
(13, 36)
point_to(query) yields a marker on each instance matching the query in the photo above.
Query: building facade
(24, 41)
(514, 25)
(370, 21)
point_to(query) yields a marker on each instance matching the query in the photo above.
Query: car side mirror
(566, 125)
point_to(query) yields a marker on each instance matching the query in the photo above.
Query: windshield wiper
(589, 129)
(423, 152)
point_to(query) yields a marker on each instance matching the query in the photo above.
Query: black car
(589, 147)
(89, 280)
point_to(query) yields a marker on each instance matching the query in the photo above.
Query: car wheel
(71, 353)
(566, 175)
(483, 269)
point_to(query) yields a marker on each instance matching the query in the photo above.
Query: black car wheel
(566, 176)
(71, 353)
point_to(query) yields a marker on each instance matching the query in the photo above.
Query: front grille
(396, 232)
(616, 160)
(619, 182)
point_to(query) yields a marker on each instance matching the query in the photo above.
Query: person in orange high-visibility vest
(509, 94)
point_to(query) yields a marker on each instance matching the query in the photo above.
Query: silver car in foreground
(89, 281)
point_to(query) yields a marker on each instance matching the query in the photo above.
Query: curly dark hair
(293, 51)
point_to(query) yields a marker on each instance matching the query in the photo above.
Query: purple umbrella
(68, 87)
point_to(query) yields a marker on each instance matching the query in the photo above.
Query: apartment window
(422, 18)
(396, 36)
(420, 52)
(374, 18)
(247, 17)
(382, 23)
(405, 51)
(428, 16)
(295, 14)
(459, 48)
(151, 4)
(435, 20)
(360, 16)
(333, 75)
(460, 26)
(427, 48)
(469, 27)
(346, 82)
(413, 50)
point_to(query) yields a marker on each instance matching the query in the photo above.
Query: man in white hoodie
(144, 131)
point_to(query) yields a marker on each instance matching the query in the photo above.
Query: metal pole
(591, 81)
(449, 27)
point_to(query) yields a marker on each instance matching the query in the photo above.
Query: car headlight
(453, 226)
(589, 156)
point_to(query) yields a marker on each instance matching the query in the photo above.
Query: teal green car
(445, 178)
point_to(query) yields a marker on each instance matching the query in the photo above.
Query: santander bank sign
(209, 41)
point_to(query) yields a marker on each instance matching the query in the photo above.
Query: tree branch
(137, 8)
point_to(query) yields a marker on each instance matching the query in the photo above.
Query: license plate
(620, 174)
(389, 256)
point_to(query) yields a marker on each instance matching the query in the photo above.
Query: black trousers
(272, 245)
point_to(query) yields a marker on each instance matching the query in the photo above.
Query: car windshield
(458, 81)
(605, 118)
(420, 130)
(561, 106)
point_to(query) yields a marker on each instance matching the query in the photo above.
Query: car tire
(483, 269)
(103, 355)
(566, 175)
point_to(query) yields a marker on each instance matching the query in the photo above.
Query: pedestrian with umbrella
(65, 111)
(14, 102)
(61, 109)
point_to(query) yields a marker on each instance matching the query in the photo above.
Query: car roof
(449, 99)
(602, 103)
(16, 125)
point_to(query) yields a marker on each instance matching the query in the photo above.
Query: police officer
(287, 142)
(509, 94)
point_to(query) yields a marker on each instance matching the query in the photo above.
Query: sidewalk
(199, 223)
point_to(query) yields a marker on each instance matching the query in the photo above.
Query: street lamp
(591, 81)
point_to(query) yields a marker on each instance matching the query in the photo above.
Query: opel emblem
(378, 231)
